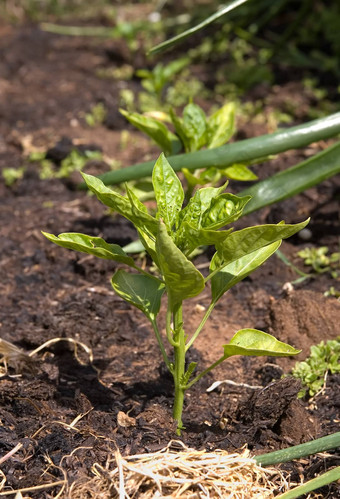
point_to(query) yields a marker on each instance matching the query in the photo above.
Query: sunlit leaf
(181, 277)
(223, 209)
(92, 245)
(155, 129)
(192, 128)
(121, 204)
(239, 172)
(245, 241)
(239, 269)
(168, 192)
(221, 126)
(142, 291)
(254, 342)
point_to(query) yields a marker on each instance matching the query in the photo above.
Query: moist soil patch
(68, 413)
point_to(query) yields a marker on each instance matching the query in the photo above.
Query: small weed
(320, 261)
(96, 116)
(12, 175)
(324, 358)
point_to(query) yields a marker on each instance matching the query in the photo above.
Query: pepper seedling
(170, 238)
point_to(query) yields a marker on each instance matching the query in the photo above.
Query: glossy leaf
(191, 128)
(243, 242)
(140, 219)
(92, 245)
(223, 209)
(142, 291)
(168, 192)
(181, 277)
(193, 237)
(250, 342)
(239, 269)
(221, 126)
(190, 233)
(239, 172)
(155, 129)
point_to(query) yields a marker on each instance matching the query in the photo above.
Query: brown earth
(46, 84)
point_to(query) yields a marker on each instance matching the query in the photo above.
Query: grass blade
(284, 455)
(326, 478)
(172, 41)
(293, 180)
(237, 152)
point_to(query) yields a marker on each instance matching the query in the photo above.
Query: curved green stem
(200, 327)
(160, 344)
(179, 367)
(168, 327)
(208, 369)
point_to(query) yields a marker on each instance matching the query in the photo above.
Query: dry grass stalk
(187, 473)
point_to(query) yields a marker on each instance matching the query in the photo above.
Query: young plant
(324, 358)
(170, 238)
(320, 261)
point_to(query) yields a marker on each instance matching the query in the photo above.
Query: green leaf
(142, 291)
(92, 245)
(155, 129)
(221, 126)
(239, 172)
(208, 176)
(168, 191)
(239, 269)
(181, 277)
(254, 342)
(191, 128)
(195, 126)
(192, 237)
(180, 130)
(190, 233)
(245, 241)
(140, 219)
(223, 209)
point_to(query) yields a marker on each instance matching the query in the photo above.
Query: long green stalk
(294, 180)
(179, 366)
(326, 478)
(297, 451)
(237, 152)
(221, 12)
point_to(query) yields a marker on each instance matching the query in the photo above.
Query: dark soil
(46, 84)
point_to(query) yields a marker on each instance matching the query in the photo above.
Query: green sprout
(324, 358)
(320, 261)
(170, 238)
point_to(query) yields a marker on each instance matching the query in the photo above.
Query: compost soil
(69, 413)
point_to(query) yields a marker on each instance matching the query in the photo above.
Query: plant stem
(179, 369)
(203, 373)
(160, 344)
(169, 334)
(200, 327)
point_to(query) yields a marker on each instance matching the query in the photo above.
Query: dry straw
(184, 473)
